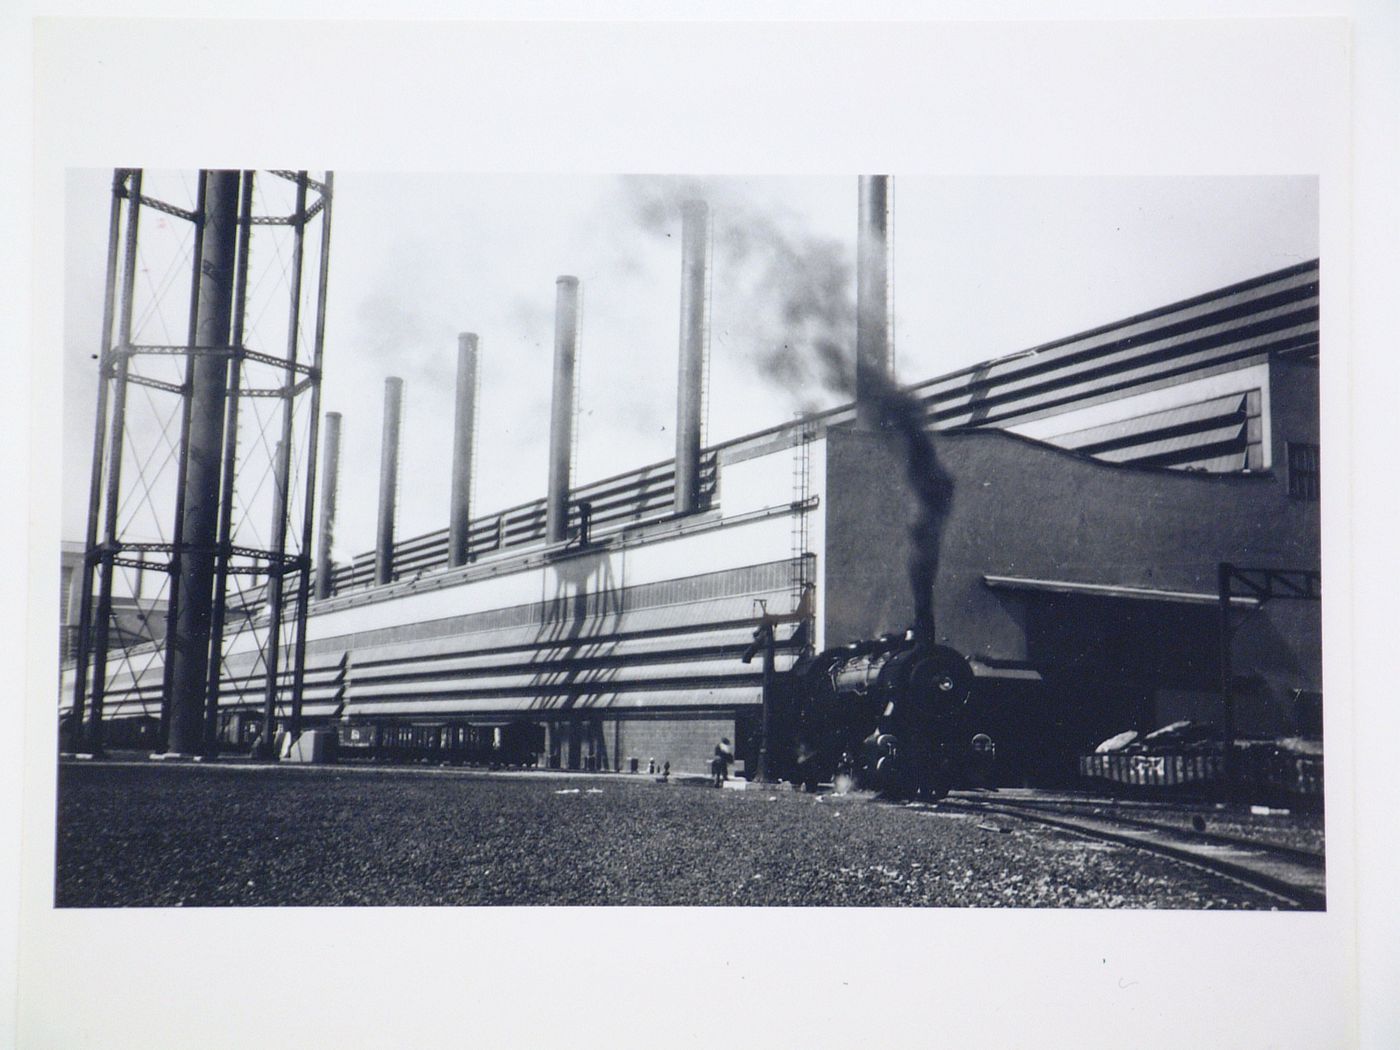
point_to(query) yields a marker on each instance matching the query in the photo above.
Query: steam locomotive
(891, 714)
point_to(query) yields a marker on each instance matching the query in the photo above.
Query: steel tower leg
(114, 468)
(277, 578)
(309, 505)
(188, 648)
(84, 646)
(225, 527)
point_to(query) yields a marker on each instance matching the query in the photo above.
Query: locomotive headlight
(940, 676)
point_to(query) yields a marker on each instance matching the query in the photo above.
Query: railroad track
(1296, 876)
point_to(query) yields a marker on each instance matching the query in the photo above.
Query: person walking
(719, 765)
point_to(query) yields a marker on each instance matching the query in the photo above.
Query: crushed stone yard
(236, 835)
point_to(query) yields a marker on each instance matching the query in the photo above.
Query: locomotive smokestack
(461, 511)
(388, 481)
(561, 420)
(330, 476)
(695, 338)
(874, 302)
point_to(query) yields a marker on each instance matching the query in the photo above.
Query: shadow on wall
(581, 620)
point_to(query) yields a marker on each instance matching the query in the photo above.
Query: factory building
(1097, 483)
(137, 619)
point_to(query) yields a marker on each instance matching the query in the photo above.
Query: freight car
(892, 714)
(453, 742)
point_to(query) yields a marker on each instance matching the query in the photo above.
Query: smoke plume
(899, 418)
(780, 292)
(801, 287)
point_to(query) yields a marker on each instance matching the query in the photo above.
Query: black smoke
(802, 287)
(901, 420)
(779, 292)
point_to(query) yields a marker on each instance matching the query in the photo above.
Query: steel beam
(114, 466)
(182, 464)
(277, 577)
(1224, 571)
(104, 369)
(225, 528)
(313, 444)
(188, 648)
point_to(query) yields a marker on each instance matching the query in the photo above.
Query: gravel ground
(218, 836)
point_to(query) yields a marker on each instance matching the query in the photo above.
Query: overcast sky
(983, 267)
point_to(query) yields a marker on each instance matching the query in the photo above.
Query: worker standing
(719, 765)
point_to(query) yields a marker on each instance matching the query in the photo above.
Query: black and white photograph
(550, 527)
(966, 582)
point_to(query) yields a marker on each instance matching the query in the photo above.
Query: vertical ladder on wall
(705, 378)
(569, 508)
(474, 512)
(801, 491)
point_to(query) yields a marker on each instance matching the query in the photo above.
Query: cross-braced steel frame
(1258, 585)
(201, 555)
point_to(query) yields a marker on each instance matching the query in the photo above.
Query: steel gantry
(1258, 585)
(185, 507)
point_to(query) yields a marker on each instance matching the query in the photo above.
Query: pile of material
(1189, 752)
(1183, 737)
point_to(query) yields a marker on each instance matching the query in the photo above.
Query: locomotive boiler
(890, 713)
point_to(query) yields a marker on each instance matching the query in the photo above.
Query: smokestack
(330, 476)
(695, 338)
(460, 513)
(561, 419)
(874, 302)
(194, 587)
(388, 481)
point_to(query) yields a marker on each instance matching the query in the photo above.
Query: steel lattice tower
(200, 437)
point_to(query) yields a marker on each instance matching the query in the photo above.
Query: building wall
(632, 644)
(629, 647)
(1027, 510)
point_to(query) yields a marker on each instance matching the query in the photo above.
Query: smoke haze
(985, 267)
(786, 291)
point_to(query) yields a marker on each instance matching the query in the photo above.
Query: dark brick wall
(687, 744)
(1021, 508)
(686, 741)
